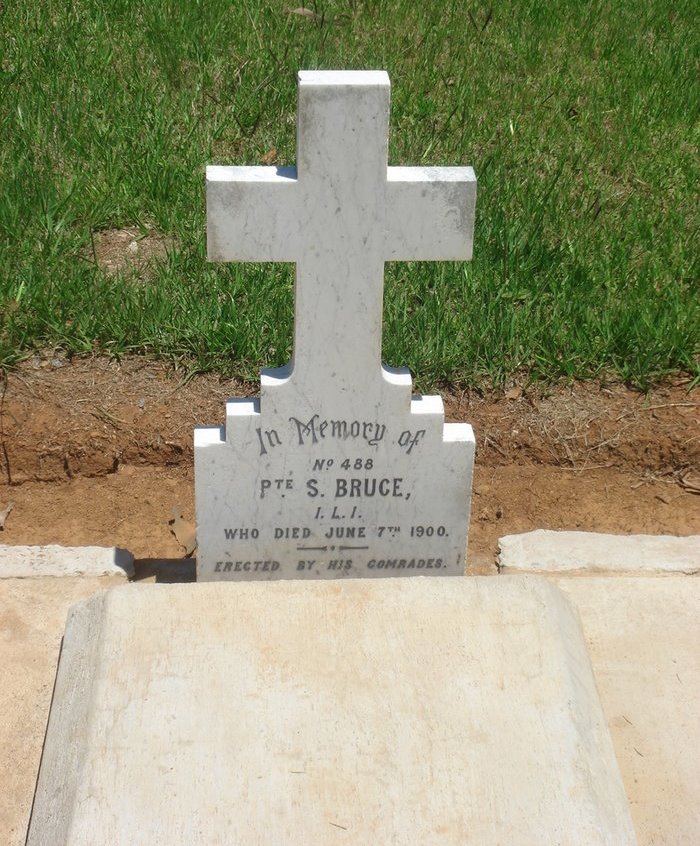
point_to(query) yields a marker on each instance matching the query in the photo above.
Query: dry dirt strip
(95, 452)
(60, 419)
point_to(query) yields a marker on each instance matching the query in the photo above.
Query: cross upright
(339, 215)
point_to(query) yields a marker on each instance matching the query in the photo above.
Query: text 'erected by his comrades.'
(333, 564)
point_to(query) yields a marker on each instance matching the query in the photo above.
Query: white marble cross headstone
(335, 450)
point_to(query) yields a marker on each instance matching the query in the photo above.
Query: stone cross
(336, 470)
(339, 216)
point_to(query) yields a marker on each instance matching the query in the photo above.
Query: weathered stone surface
(398, 711)
(642, 635)
(545, 551)
(32, 621)
(23, 562)
(336, 471)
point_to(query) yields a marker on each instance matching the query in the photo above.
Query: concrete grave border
(588, 553)
(28, 562)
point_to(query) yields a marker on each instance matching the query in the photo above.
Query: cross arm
(252, 214)
(430, 213)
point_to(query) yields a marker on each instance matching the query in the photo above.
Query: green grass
(580, 119)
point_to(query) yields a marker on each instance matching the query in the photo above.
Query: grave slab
(400, 711)
(545, 551)
(23, 562)
(335, 470)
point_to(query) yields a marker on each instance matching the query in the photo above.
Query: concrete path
(639, 600)
(32, 619)
(643, 635)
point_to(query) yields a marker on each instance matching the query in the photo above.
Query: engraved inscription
(332, 533)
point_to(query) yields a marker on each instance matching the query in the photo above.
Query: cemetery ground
(585, 266)
(93, 451)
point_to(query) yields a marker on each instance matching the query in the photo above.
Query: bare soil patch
(98, 452)
(128, 250)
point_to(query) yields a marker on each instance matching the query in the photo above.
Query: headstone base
(25, 562)
(399, 711)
